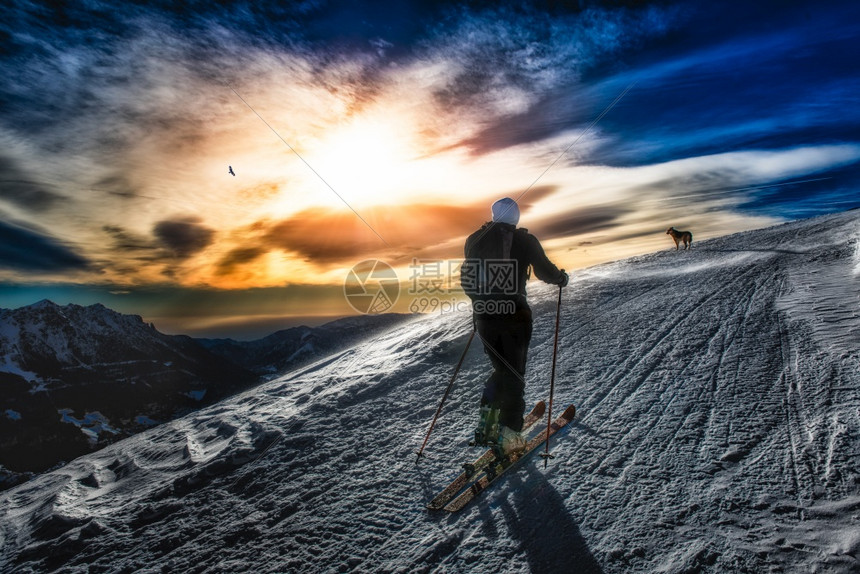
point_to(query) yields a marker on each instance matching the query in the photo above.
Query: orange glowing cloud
(327, 237)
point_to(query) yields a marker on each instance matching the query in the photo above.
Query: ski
(472, 469)
(497, 468)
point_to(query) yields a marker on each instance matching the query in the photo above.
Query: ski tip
(569, 413)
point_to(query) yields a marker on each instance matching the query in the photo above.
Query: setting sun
(369, 161)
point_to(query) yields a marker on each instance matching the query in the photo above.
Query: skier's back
(498, 259)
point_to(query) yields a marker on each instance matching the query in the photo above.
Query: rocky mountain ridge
(75, 379)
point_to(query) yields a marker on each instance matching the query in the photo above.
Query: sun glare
(367, 162)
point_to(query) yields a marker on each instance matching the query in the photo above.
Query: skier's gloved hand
(565, 279)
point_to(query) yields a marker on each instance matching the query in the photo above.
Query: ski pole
(445, 396)
(546, 455)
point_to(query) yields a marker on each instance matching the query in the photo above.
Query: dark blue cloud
(723, 76)
(582, 221)
(781, 91)
(835, 190)
(17, 187)
(28, 250)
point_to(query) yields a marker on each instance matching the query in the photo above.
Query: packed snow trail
(718, 430)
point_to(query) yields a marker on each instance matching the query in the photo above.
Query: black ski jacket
(519, 245)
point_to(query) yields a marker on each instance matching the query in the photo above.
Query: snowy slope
(718, 430)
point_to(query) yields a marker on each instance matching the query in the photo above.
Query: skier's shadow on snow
(537, 517)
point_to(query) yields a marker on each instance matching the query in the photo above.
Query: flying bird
(230, 170)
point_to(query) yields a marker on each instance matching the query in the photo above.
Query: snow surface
(718, 430)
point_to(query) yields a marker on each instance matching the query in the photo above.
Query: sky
(384, 131)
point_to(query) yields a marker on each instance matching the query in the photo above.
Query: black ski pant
(506, 342)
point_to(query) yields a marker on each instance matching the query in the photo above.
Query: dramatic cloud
(739, 176)
(582, 221)
(397, 233)
(17, 189)
(31, 250)
(326, 236)
(523, 72)
(184, 236)
(238, 257)
(125, 241)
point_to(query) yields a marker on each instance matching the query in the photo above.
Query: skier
(494, 275)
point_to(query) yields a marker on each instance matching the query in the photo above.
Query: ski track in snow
(718, 430)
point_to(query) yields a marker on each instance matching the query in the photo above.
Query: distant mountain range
(290, 348)
(74, 379)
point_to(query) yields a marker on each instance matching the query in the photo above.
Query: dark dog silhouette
(680, 236)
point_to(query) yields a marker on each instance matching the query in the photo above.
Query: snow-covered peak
(44, 304)
(70, 334)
